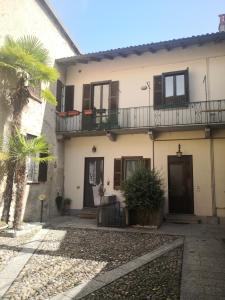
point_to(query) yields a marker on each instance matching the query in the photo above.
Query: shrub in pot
(66, 206)
(144, 197)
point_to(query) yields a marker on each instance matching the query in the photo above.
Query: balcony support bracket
(112, 136)
(152, 135)
(207, 132)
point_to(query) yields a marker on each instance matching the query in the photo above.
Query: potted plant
(144, 197)
(66, 206)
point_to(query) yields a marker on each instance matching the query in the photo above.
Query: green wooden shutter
(43, 169)
(114, 95)
(147, 163)
(59, 88)
(69, 97)
(113, 104)
(158, 99)
(186, 78)
(117, 173)
(87, 103)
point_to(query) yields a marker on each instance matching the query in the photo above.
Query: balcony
(194, 115)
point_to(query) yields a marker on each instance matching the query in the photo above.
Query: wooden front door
(93, 177)
(180, 184)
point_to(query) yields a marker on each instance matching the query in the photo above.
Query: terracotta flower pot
(88, 112)
(62, 114)
(73, 113)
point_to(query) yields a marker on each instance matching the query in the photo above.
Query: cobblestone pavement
(10, 247)
(70, 256)
(157, 280)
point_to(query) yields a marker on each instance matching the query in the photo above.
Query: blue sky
(97, 25)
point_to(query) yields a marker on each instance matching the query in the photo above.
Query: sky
(97, 25)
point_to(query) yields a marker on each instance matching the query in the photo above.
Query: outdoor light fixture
(93, 149)
(179, 152)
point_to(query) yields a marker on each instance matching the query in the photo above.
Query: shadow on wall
(54, 183)
(6, 83)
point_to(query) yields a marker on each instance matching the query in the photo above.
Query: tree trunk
(8, 192)
(19, 99)
(20, 179)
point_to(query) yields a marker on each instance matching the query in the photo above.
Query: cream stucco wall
(133, 71)
(76, 149)
(192, 143)
(27, 17)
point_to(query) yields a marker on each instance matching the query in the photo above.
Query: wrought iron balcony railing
(194, 114)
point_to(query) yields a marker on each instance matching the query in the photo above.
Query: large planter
(145, 217)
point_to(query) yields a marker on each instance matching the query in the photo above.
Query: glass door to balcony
(101, 104)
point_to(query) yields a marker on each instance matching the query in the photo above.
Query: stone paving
(67, 257)
(157, 280)
(203, 270)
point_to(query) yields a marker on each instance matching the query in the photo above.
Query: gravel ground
(68, 257)
(158, 280)
(10, 247)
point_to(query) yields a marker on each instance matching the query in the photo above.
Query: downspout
(153, 154)
(212, 165)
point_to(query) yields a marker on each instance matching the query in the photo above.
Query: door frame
(192, 182)
(85, 159)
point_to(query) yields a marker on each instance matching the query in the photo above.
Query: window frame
(119, 168)
(124, 159)
(175, 101)
(36, 178)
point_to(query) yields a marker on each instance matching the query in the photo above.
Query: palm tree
(17, 150)
(23, 65)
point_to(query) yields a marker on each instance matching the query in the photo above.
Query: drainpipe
(153, 154)
(214, 212)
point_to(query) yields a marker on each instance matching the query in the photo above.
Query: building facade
(162, 105)
(36, 18)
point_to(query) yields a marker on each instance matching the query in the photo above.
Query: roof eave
(46, 6)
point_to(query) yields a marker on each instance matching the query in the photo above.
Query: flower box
(73, 113)
(62, 114)
(88, 112)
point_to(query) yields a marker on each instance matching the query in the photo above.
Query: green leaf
(48, 96)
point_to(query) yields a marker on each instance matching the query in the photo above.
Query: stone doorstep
(9, 274)
(100, 281)
(28, 228)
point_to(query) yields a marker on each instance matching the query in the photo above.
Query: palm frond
(20, 148)
(34, 47)
(48, 96)
(27, 59)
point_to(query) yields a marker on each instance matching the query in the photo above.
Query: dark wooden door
(180, 184)
(93, 177)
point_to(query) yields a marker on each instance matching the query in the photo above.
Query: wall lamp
(179, 152)
(94, 149)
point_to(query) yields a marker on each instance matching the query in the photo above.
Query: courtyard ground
(117, 263)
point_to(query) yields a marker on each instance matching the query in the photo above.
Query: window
(171, 89)
(32, 166)
(64, 97)
(101, 101)
(174, 85)
(36, 172)
(124, 168)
